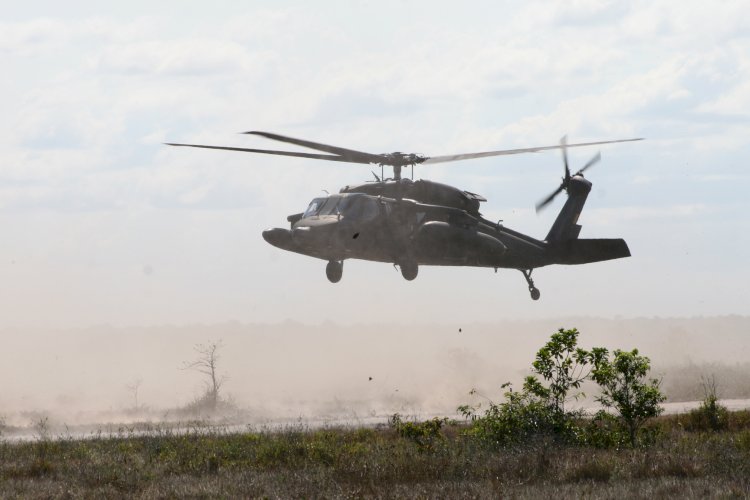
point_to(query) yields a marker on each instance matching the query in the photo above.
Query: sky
(103, 224)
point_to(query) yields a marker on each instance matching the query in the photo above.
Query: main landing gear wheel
(533, 291)
(334, 270)
(409, 270)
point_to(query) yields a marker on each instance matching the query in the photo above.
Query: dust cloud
(329, 371)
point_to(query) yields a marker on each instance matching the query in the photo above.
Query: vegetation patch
(529, 444)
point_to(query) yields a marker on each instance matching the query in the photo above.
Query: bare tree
(206, 363)
(133, 388)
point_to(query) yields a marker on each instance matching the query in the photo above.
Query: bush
(710, 415)
(520, 418)
(539, 409)
(604, 431)
(424, 434)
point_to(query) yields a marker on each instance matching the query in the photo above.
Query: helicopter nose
(278, 237)
(301, 234)
(319, 236)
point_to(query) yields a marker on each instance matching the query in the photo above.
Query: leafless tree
(206, 363)
(133, 388)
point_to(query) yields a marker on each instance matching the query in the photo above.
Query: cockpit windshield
(357, 206)
(323, 206)
(313, 207)
(330, 206)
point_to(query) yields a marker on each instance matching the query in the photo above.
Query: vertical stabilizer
(566, 225)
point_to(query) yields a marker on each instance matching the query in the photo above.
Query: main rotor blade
(272, 152)
(502, 152)
(549, 198)
(349, 154)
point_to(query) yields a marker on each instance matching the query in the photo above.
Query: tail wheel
(334, 270)
(533, 291)
(409, 270)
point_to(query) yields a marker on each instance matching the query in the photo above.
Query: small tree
(625, 388)
(208, 358)
(564, 365)
(134, 388)
(710, 415)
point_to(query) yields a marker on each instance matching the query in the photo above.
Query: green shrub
(604, 430)
(710, 415)
(521, 417)
(539, 409)
(424, 434)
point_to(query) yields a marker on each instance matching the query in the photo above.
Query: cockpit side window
(358, 207)
(364, 208)
(349, 206)
(370, 209)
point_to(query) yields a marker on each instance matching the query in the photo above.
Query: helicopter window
(358, 207)
(330, 206)
(366, 208)
(313, 208)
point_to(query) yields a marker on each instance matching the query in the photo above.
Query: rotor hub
(398, 160)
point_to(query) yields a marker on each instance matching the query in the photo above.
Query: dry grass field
(683, 460)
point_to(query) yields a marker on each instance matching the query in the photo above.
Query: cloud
(91, 99)
(736, 101)
(32, 36)
(193, 57)
(52, 35)
(620, 215)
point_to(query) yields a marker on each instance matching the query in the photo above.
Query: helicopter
(412, 223)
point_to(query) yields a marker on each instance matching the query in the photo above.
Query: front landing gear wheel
(409, 270)
(334, 270)
(534, 291)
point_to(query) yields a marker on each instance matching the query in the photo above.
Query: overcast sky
(101, 223)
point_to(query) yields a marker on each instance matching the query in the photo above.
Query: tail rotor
(566, 179)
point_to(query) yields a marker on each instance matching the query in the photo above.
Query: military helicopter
(423, 223)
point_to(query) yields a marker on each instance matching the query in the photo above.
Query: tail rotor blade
(564, 148)
(548, 199)
(593, 161)
(566, 180)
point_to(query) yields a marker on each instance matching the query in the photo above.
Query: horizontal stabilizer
(583, 251)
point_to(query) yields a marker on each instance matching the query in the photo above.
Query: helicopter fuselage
(360, 226)
(410, 233)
